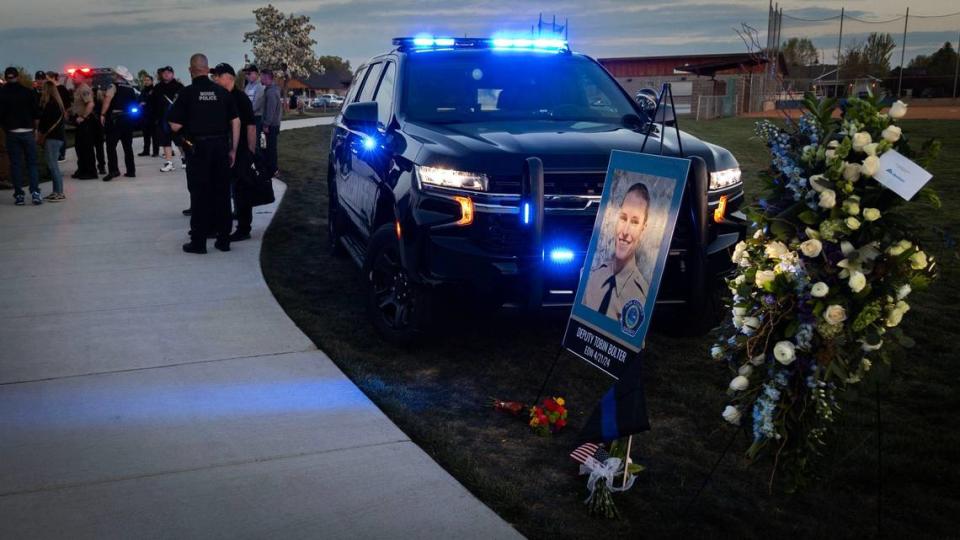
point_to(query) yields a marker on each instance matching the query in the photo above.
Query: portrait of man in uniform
(618, 280)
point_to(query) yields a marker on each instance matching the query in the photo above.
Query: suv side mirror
(361, 116)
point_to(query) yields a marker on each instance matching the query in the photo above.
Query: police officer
(226, 77)
(118, 116)
(617, 281)
(205, 116)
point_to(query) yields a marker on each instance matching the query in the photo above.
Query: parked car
(427, 183)
(327, 100)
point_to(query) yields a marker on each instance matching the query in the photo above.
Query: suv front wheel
(398, 306)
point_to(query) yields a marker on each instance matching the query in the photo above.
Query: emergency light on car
(561, 255)
(427, 43)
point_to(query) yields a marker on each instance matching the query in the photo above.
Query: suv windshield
(484, 86)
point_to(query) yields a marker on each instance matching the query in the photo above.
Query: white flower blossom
(857, 281)
(899, 248)
(785, 352)
(732, 414)
(758, 360)
(819, 289)
(918, 261)
(764, 276)
(746, 370)
(852, 223)
(739, 383)
(898, 110)
(891, 134)
(904, 291)
(871, 214)
(851, 172)
(828, 199)
(835, 314)
(871, 166)
(776, 250)
(811, 248)
(860, 140)
(871, 149)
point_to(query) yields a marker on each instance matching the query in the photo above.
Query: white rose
(899, 248)
(871, 214)
(851, 206)
(819, 289)
(871, 149)
(812, 233)
(784, 352)
(860, 140)
(745, 370)
(739, 252)
(750, 325)
(835, 314)
(902, 307)
(764, 276)
(866, 347)
(898, 110)
(758, 360)
(732, 414)
(871, 166)
(716, 352)
(833, 144)
(776, 250)
(918, 261)
(818, 182)
(891, 134)
(830, 154)
(903, 291)
(851, 172)
(739, 383)
(739, 311)
(894, 316)
(857, 281)
(811, 248)
(852, 223)
(828, 198)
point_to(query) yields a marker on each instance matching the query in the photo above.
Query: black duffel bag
(256, 184)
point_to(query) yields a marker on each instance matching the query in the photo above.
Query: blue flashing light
(561, 255)
(526, 213)
(426, 42)
(369, 143)
(134, 110)
(423, 42)
(444, 42)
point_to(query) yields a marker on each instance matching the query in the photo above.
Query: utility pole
(903, 53)
(836, 88)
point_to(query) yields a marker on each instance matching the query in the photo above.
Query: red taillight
(71, 71)
(85, 70)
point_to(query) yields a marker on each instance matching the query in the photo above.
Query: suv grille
(554, 183)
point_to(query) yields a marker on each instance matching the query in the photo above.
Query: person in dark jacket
(226, 77)
(50, 133)
(149, 122)
(119, 113)
(18, 118)
(164, 94)
(67, 99)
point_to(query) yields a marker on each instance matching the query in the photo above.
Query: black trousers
(150, 140)
(86, 137)
(208, 179)
(241, 193)
(98, 140)
(122, 132)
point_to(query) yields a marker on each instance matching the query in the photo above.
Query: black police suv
(473, 168)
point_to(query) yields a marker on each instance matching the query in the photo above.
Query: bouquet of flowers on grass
(823, 281)
(544, 420)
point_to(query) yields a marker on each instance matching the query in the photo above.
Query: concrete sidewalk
(147, 393)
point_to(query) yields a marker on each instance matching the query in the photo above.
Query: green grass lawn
(438, 393)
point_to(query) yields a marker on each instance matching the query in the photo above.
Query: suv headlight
(724, 179)
(449, 178)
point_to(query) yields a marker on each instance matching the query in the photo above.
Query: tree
(869, 58)
(941, 63)
(334, 63)
(283, 42)
(799, 52)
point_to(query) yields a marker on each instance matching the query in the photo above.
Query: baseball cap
(224, 67)
(11, 72)
(251, 68)
(165, 68)
(40, 75)
(268, 72)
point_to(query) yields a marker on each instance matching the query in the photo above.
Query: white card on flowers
(901, 175)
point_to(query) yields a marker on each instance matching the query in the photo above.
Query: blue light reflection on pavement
(37, 406)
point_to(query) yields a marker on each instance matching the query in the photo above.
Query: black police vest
(123, 100)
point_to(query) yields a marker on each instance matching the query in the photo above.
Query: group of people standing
(223, 134)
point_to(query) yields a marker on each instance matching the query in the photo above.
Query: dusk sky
(51, 34)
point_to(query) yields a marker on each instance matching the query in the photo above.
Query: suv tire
(335, 217)
(398, 306)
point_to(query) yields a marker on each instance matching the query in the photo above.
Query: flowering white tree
(283, 40)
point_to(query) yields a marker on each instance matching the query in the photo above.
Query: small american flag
(589, 450)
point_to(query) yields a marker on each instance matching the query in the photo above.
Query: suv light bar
(427, 43)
